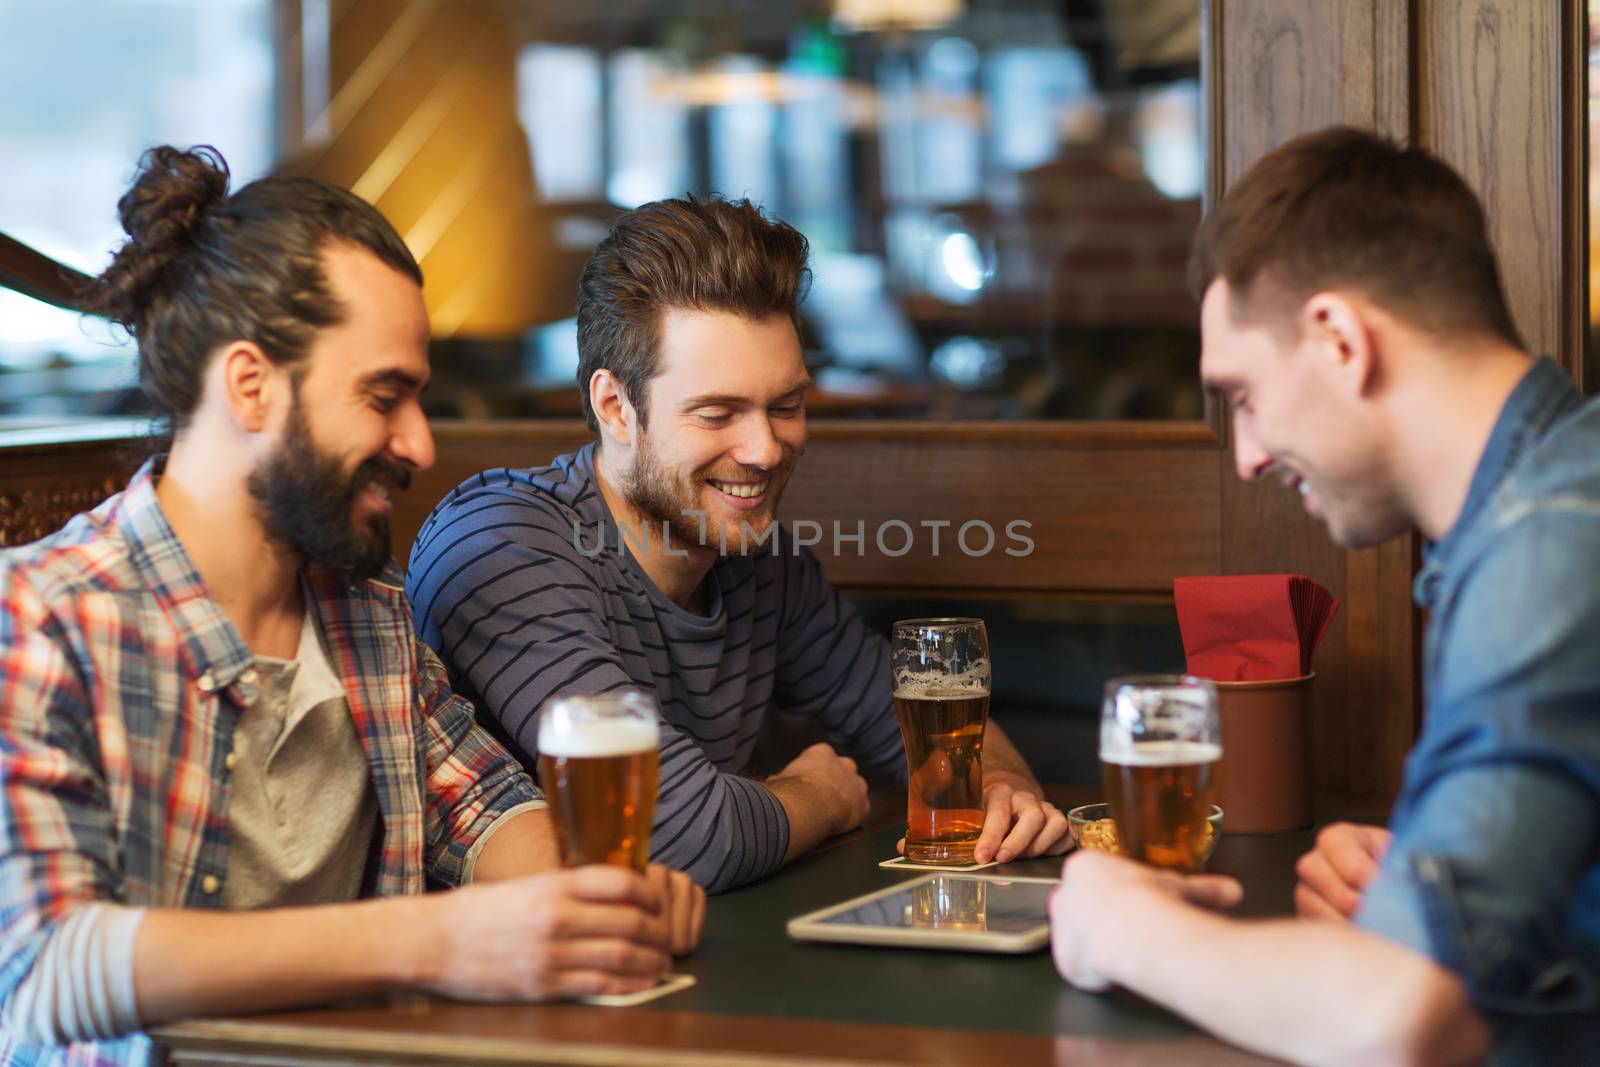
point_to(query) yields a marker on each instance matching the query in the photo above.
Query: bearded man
(650, 559)
(228, 769)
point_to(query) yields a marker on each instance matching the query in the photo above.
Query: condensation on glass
(999, 195)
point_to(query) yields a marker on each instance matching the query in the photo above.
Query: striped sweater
(521, 583)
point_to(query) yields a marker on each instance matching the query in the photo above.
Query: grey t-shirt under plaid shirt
(508, 585)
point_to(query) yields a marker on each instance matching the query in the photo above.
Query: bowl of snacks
(1092, 827)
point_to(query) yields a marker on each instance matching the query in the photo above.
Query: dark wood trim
(439, 1032)
(1070, 597)
(1212, 41)
(35, 274)
(1076, 434)
(1573, 203)
(1213, 52)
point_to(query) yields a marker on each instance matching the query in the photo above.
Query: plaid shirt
(120, 684)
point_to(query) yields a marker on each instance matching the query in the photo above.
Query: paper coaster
(900, 863)
(667, 983)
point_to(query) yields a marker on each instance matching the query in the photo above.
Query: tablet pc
(975, 912)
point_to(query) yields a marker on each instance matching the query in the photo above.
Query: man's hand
(685, 907)
(1019, 825)
(1334, 874)
(832, 784)
(567, 933)
(1100, 892)
(1016, 825)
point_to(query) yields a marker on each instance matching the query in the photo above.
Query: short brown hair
(1344, 208)
(690, 254)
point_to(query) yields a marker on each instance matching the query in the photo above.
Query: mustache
(381, 470)
(750, 474)
(753, 474)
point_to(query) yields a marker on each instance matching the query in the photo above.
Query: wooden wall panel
(1489, 75)
(1493, 87)
(1290, 67)
(1115, 514)
(45, 483)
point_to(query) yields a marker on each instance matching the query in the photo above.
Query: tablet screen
(952, 902)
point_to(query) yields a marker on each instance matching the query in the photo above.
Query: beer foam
(1160, 753)
(942, 685)
(614, 737)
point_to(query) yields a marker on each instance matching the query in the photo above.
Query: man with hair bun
(228, 769)
(652, 558)
(1352, 318)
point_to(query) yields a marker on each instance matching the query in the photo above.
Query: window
(999, 195)
(101, 83)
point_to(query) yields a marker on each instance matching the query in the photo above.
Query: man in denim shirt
(1352, 316)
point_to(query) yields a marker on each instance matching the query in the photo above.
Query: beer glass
(1160, 740)
(941, 698)
(598, 763)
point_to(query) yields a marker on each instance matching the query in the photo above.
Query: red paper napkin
(1252, 627)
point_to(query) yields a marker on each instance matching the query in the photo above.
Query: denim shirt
(1494, 867)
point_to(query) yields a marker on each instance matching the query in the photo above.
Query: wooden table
(764, 1001)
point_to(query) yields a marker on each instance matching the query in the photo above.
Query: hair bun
(171, 193)
(171, 196)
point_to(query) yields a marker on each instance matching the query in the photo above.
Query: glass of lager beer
(1160, 740)
(598, 761)
(941, 697)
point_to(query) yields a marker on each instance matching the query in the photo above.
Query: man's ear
(612, 409)
(252, 386)
(1335, 327)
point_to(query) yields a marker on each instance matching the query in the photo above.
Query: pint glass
(1160, 740)
(598, 760)
(941, 698)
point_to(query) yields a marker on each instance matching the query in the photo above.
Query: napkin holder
(1265, 775)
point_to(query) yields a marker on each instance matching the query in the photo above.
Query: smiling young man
(218, 732)
(1353, 319)
(538, 582)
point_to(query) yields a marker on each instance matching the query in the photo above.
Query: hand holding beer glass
(599, 760)
(941, 698)
(1160, 741)
(598, 764)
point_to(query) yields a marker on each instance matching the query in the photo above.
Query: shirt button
(206, 683)
(209, 884)
(231, 760)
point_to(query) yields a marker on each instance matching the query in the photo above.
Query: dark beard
(305, 503)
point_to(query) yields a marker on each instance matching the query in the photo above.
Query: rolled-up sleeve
(1496, 842)
(472, 781)
(57, 841)
(1482, 880)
